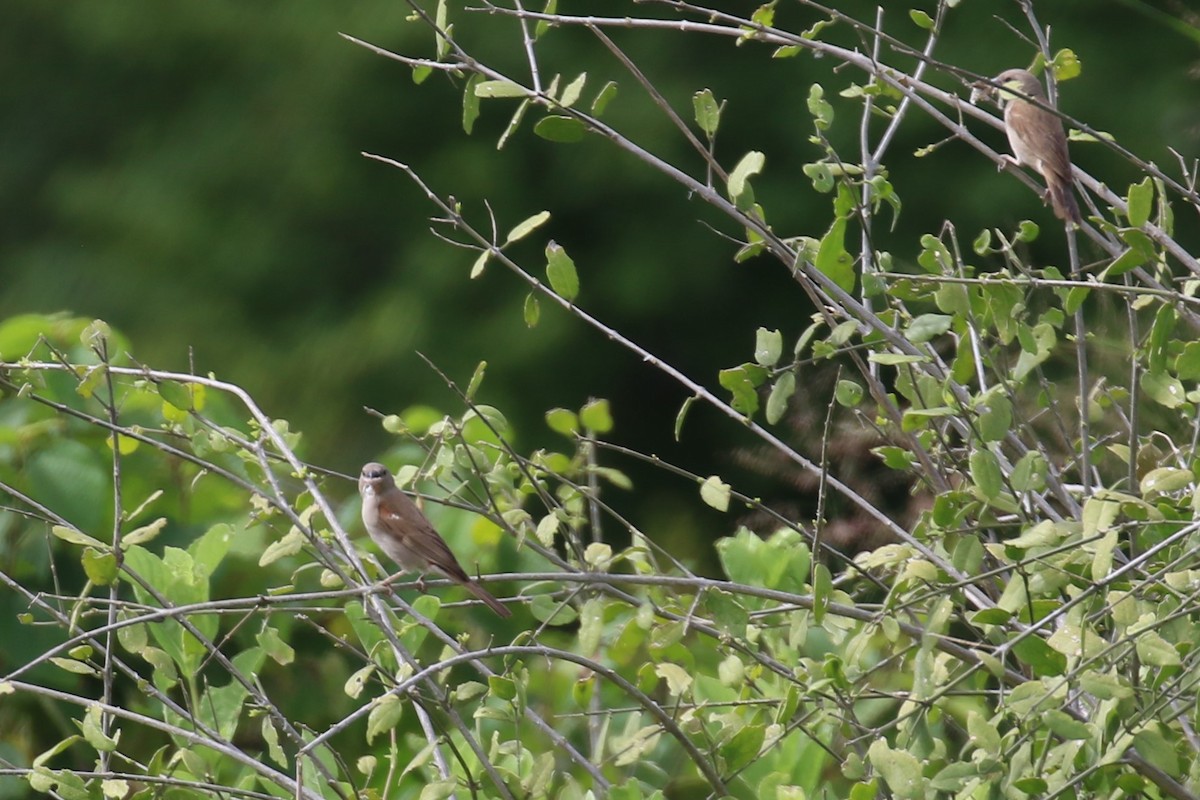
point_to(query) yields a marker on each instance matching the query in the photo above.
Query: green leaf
(768, 346)
(743, 383)
(927, 326)
(895, 457)
(899, 768)
(1152, 745)
(743, 747)
(822, 588)
(513, 124)
(77, 537)
(1075, 298)
(935, 257)
(982, 245)
(438, 790)
(1161, 338)
(1037, 344)
(470, 103)
(560, 270)
(921, 19)
(562, 421)
(738, 184)
(1187, 364)
(76, 667)
(1164, 389)
(1066, 65)
(100, 567)
(441, 30)
(596, 416)
(176, 394)
(1163, 480)
(1140, 202)
(1029, 473)
(384, 716)
(1044, 534)
(92, 380)
(552, 611)
(558, 128)
(995, 418)
(1156, 651)
(354, 684)
(1040, 657)
(145, 533)
(1104, 685)
(986, 474)
(1129, 260)
(476, 379)
(729, 615)
(832, 260)
(682, 415)
(132, 637)
(598, 555)
(127, 444)
(271, 737)
(95, 334)
(603, 98)
(532, 311)
(781, 393)
(820, 108)
(983, 733)
(953, 777)
(591, 625)
(543, 25)
(574, 90)
(715, 493)
(275, 647)
(526, 227)
(93, 731)
(821, 175)
(894, 359)
(678, 679)
(499, 89)
(289, 545)
(765, 14)
(848, 393)
(707, 110)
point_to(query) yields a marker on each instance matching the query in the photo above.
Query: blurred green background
(191, 173)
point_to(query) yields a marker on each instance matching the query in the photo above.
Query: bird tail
(483, 594)
(1062, 200)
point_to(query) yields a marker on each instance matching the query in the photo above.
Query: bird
(1036, 136)
(407, 537)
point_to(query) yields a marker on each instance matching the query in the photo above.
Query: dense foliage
(186, 605)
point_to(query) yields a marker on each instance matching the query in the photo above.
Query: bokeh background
(191, 173)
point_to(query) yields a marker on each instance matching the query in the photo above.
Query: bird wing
(422, 540)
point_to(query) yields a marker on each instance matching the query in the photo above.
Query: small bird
(1036, 137)
(401, 531)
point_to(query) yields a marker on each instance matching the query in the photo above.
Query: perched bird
(1036, 137)
(407, 537)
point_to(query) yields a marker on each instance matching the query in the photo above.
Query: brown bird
(401, 531)
(1036, 137)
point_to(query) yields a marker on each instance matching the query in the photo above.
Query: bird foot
(1007, 161)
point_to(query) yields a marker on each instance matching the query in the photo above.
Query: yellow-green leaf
(526, 227)
(715, 493)
(384, 716)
